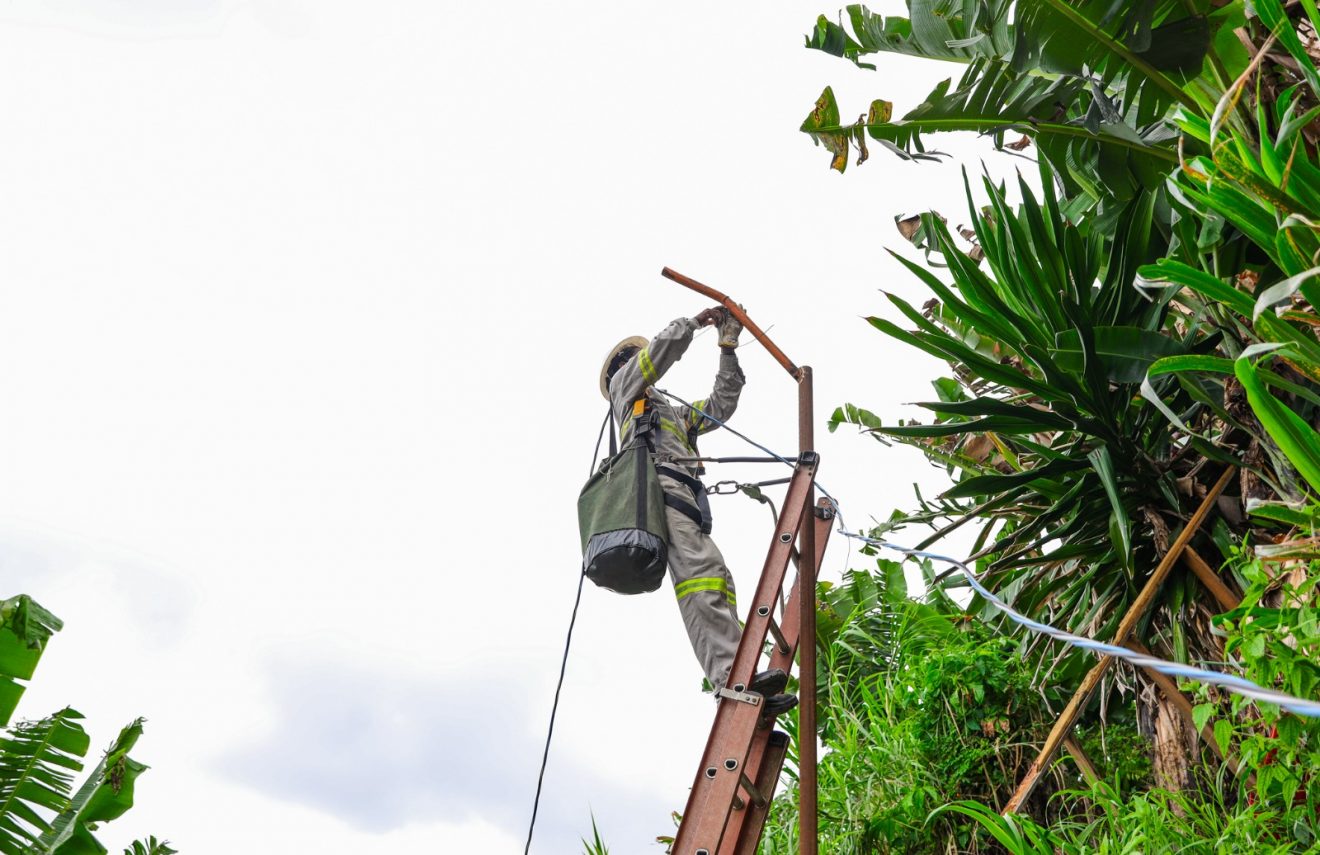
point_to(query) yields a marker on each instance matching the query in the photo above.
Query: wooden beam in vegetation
(1083, 762)
(1070, 714)
(1210, 579)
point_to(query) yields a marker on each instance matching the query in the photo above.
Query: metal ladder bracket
(742, 697)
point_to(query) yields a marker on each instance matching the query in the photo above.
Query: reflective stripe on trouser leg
(705, 592)
(693, 586)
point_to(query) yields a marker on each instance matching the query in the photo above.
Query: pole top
(737, 311)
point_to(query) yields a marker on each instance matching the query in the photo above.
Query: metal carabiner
(717, 489)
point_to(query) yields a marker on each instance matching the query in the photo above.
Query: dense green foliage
(1031, 68)
(1274, 810)
(1047, 365)
(1121, 329)
(921, 706)
(1117, 335)
(1275, 636)
(929, 721)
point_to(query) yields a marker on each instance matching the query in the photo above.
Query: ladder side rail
(752, 820)
(792, 624)
(764, 762)
(717, 779)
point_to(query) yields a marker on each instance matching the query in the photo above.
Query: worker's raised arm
(723, 400)
(651, 362)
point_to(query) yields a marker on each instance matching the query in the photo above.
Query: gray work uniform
(702, 582)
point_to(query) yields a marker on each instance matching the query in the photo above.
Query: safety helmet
(633, 341)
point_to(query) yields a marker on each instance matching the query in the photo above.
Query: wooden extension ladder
(740, 768)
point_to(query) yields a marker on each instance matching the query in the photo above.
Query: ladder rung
(747, 829)
(778, 634)
(758, 797)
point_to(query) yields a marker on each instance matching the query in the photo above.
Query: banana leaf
(25, 627)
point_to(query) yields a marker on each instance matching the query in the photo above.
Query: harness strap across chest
(642, 407)
(643, 421)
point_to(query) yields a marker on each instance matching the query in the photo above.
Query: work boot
(769, 683)
(729, 329)
(777, 705)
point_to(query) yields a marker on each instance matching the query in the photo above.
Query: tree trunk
(1175, 743)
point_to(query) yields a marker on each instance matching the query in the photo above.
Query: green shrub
(919, 707)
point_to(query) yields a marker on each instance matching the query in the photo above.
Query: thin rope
(554, 709)
(1237, 685)
(595, 454)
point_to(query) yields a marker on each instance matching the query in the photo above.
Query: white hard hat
(633, 341)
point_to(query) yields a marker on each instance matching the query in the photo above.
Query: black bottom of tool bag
(628, 561)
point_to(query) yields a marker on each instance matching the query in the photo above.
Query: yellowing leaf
(881, 112)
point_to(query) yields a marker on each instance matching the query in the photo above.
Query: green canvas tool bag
(621, 516)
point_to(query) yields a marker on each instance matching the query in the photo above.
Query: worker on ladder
(702, 582)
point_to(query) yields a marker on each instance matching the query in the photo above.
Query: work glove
(710, 317)
(730, 327)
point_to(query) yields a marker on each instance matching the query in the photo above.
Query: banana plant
(149, 846)
(1092, 84)
(953, 31)
(39, 760)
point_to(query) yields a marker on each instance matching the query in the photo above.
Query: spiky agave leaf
(594, 846)
(1050, 440)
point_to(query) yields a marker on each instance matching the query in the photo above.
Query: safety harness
(644, 420)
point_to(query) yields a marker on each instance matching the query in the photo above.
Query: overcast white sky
(303, 309)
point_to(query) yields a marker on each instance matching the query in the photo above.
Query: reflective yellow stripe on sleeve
(648, 367)
(704, 583)
(695, 416)
(676, 431)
